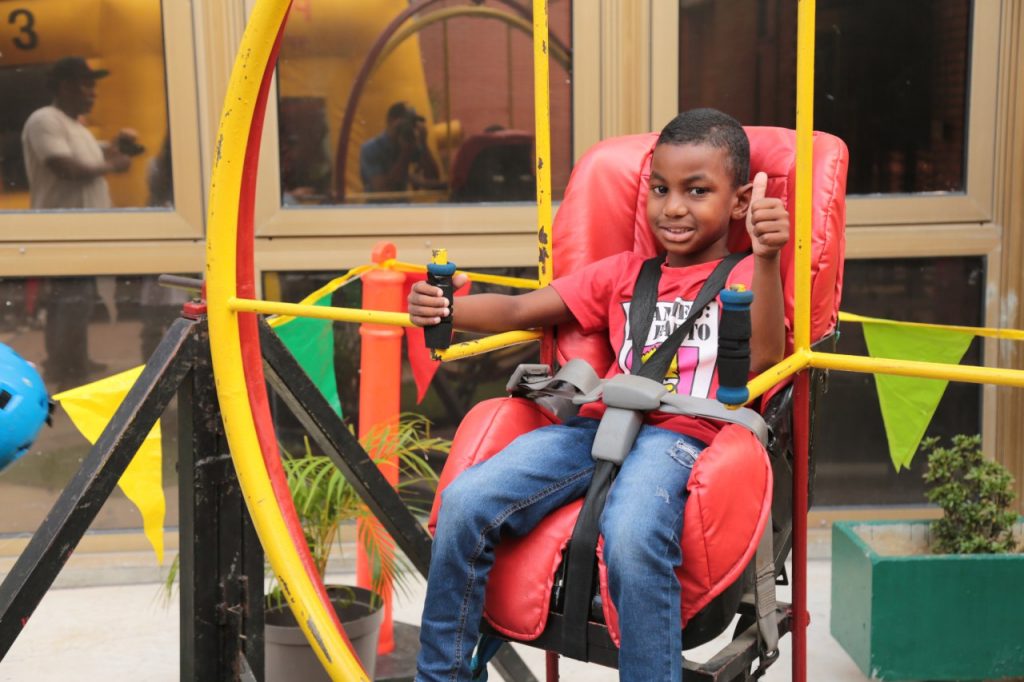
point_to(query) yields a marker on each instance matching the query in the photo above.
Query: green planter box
(924, 616)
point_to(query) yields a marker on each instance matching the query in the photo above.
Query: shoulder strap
(641, 308)
(646, 294)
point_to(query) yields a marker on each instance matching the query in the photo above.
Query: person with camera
(64, 162)
(66, 166)
(398, 159)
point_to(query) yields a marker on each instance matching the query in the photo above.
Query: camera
(129, 147)
(407, 126)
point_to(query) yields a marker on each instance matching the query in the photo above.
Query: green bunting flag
(311, 341)
(908, 403)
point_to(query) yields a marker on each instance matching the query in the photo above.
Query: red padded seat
(730, 489)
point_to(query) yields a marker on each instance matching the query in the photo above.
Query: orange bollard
(380, 369)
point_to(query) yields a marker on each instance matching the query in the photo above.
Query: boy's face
(691, 202)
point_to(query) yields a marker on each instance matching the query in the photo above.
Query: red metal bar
(248, 331)
(551, 664)
(801, 440)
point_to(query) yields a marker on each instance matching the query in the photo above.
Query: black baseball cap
(403, 110)
(74, 69)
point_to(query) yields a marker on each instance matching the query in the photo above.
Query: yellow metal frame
(302, 597)
(803, 357)
(255, 52)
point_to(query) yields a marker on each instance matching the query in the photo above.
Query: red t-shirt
(599, 296)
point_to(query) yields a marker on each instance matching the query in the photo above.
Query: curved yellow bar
(329, 288)
(254, 56)
(501, 280)
(466, 349)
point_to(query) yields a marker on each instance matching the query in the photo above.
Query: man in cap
(398, 158)
(64, 162)
(66, 168)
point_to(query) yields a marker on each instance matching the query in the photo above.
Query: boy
(698, 185)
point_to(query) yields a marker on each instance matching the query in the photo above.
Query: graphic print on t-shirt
(692, 369)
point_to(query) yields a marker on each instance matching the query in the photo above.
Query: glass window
(438, 108)
(850, 449)
(890, 79)
(84, 119)
(77, 330)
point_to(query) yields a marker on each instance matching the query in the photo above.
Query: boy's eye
(660, 190)
(699, 191)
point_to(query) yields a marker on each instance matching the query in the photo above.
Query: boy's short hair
(712, 127)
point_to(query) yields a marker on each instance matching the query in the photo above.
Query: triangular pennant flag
(311, 341)
(423, 365)
(91, 408)
(908, 403)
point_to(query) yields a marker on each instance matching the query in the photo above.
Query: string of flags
(907, 403)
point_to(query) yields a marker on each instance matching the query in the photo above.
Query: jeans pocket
(684, 452)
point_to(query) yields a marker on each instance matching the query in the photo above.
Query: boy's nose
(675, 206)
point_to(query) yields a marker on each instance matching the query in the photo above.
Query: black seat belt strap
(581, 555)
(642, 307)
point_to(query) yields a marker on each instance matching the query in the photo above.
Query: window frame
(185, 219)
(274, 221)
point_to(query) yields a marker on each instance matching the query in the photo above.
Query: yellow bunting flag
(908, 403)
(91, 408)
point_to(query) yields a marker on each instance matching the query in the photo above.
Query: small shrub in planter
(975, 495)
(941, 600)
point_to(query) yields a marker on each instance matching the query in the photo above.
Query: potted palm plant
(325, 502)
(936, 600)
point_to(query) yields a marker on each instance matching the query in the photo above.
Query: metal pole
(220, 558)
(80, 502)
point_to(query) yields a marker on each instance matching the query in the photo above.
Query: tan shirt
(50, 133)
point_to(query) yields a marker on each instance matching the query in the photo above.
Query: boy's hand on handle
(426, 303)
(767, 220)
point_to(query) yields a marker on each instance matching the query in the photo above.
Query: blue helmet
(24, 406)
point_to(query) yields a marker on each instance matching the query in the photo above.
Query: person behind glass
(65, 164)
(698, 184)
(398, 159)
(66, 168)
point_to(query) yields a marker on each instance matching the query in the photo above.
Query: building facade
(929, 97)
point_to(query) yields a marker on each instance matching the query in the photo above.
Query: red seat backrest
(604, 212)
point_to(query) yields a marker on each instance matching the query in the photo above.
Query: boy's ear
(742, 205)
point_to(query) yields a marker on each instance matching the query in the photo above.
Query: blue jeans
(513, 491)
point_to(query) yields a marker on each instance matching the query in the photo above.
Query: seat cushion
(729, 503)
(726, 512)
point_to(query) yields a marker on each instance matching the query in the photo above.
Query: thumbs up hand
(767, 220)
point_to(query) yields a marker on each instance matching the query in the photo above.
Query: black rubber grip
(439, 336)
(734, 345)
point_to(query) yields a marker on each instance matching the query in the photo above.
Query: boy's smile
(692, 201)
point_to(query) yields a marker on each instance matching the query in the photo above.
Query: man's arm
(426, 174)
(69, 168)
(49, 141)
(379, 176)
(768, 226)
(488, 312)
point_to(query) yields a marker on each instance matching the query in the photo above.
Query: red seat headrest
(604, 212)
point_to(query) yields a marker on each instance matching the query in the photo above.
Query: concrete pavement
(127, 632)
